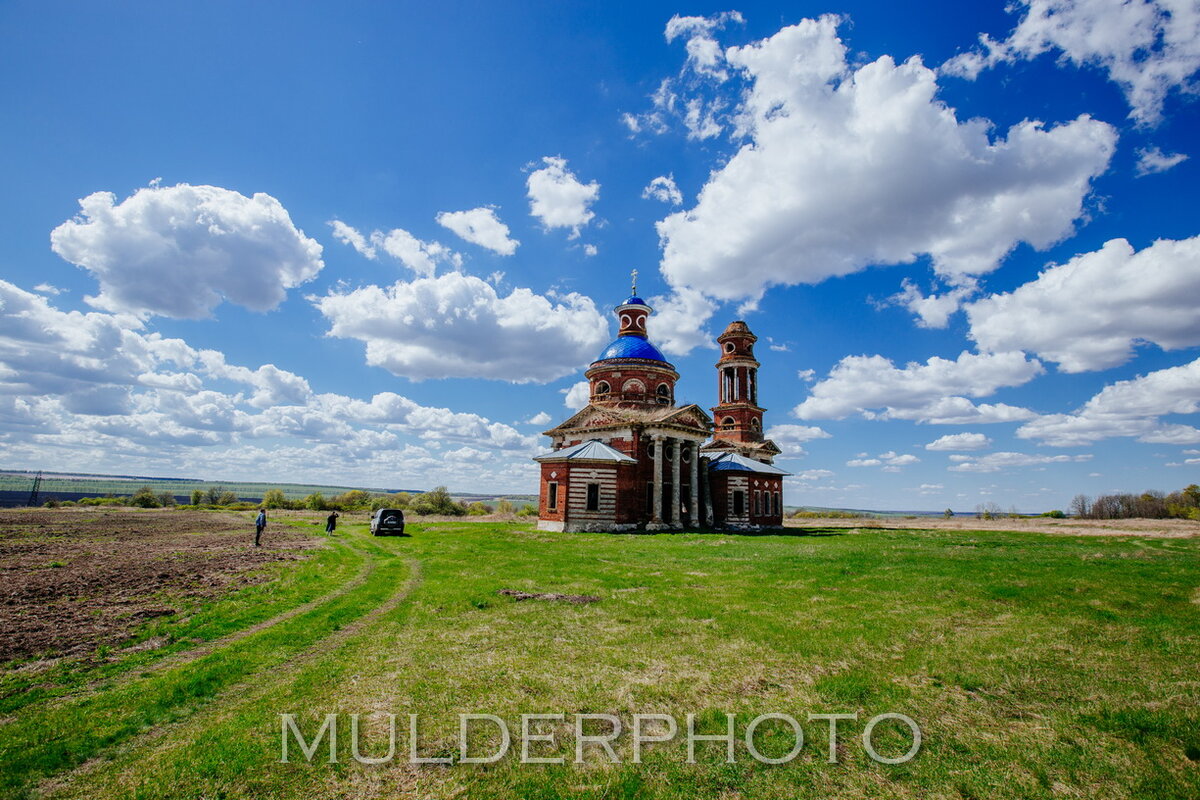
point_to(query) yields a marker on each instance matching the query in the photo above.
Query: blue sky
(377, 244)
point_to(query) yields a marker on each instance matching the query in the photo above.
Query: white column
(694, 506)
(657, 438)
(675, 481)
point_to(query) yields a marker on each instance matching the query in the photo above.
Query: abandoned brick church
(632, 459)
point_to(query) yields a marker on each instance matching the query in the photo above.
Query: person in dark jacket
(260, 523)
(331, 522)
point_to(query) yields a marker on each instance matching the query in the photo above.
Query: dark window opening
(602, 388)
(728, 424)
(739, 503)
(552, 496)
(593, 497)
(664, 394)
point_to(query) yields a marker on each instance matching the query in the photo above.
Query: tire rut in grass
(188, 656)
(37, 744)
(231, 698)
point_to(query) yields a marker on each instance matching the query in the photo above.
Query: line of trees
(1183, 504)
(435, 502)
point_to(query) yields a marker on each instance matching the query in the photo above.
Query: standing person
(331, 523)
(259, 524)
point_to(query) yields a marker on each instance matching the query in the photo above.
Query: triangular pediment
(587, 417)
(691, 416)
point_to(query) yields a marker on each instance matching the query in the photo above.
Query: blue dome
(631, 347)
(634, 300)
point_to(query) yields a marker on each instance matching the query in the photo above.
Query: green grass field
(1036, 666)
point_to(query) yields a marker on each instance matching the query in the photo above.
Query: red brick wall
(723, 485)
(561, 473)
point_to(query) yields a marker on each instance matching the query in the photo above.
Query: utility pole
(33, 495)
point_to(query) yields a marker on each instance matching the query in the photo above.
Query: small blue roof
(591, 450)
(735, 462)
(634, 300)
(631, 347)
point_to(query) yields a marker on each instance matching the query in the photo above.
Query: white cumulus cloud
(558, 198)
(847, 166)
(1152, 160)
(663, 188)
(933, 310)
(677, 324)
(960, 441)
(347, 234)
(456, 325)
(480, 226)
(420, 256)
(791, 437)
(703, 51)
(995, 462)
(934, 392)
(577, 395)
(1128, 408)
(891, 461)
(177, 251)
(1090, 313)
(1148, 47)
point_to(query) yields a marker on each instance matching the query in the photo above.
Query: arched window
(602, 388)
(728, 424)
(633, 386)
(664, 394)
(754, 425)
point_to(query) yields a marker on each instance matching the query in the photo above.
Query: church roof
(766, 446)
(737, 463)
(737, 327)
(634, 300)
(593, 450)
(631, 347)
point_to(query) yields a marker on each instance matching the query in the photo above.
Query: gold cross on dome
(634, 276)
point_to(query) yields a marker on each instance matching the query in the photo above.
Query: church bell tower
(737, 417)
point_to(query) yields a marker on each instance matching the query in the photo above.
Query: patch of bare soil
(74, 579)
(1152, 528)
(577, 599)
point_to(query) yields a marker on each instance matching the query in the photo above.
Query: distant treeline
(437, 501)
(1183, 504)
(181, 488)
